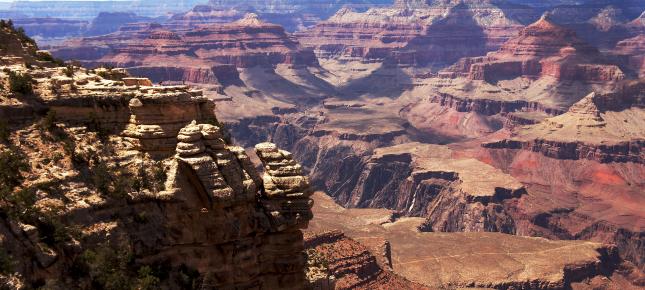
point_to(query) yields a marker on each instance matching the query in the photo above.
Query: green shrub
(146, 279)
(52, 230)
(101, 178)
(94, 124)
(188, 277)
(6, 264)
(24, 38)
(11, 165)
(4, 131)
(57, 157)
(114, 269)
(159, 175)
(20, 83)
(69, 71)
(113, 183)
(108, 268)
(48, 123)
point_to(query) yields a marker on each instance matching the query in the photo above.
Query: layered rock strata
(350, 265)
(416, 33)
(245, 43)
(605, 128)
(541, 49)
(286, 190)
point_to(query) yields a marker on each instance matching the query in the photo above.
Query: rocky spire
(250, 19)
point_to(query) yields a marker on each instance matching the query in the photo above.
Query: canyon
(406, 145)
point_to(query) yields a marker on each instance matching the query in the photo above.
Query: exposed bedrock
(490, 107)
(621, 152)
(352, 264)
(438, 260)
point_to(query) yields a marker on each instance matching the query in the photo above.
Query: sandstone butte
(122, 186)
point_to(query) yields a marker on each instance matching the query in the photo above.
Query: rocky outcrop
(143, 191)
(294, 15)
(508, 261)
(621, 152)
(490, 107)
(350, 265)
(286, 190)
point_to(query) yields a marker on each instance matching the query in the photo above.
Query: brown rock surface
(634, 49)
(351, 264)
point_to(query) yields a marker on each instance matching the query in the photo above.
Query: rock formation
(129, 185)
(347, 264)
(542, 49)
(606, 128)
(634, 50)
(294, 15)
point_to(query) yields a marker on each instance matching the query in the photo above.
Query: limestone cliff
(112, 183)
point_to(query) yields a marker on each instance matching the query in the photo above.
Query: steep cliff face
(133, 186)
(350, 265)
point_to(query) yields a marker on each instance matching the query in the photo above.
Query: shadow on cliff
(302, 88)
(388, 81)
(445, 41)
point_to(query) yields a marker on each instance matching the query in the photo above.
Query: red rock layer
(353, 265)
(541, 49)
